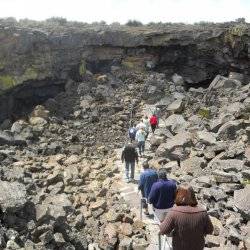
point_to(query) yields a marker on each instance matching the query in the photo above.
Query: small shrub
(204, 113)
(134, 23)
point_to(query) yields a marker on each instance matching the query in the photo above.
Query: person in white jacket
(140, 137)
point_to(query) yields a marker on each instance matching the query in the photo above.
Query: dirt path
(129, 191)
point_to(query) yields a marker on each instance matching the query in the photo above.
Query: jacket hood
(188, 209)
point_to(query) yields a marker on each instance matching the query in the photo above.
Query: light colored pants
(160, 214)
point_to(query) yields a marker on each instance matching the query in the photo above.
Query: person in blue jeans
(147, 178)
(130, 156)
(132, 132)
(162, 195)
(140, 137)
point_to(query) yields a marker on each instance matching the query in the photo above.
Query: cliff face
(40, 56)
(195, 52)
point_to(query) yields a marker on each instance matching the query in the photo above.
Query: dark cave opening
(20, 101)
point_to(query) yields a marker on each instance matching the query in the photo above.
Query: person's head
(145, 165)
(162, 173)
(185, 196)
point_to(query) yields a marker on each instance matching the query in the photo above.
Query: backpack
(132, 132)
(153, 120)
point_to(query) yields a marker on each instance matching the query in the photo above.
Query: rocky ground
(58, 186)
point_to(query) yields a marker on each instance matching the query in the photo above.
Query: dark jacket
(147, 179)
(189, 226)
(129, 154)
(162, 194)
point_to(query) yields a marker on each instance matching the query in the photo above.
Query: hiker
(157, 113)
(153, 122)
(141, 125)
(132, 132)
(147, 178)
(189, 222)
(130, 155)
(140, 137)
(162, 195)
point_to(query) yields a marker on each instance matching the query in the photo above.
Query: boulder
(229, 130)
(7, 138)
(176, 123)
(13, 196)
(227, 165)
(206, 137)
(126, 229)
(55, 207)
(155, 141)
(125, 244)
(193, 165)
(242, 201)
(177, 143)
(177, 79)
(40, 111)
(223, 82)
(223, 177)
(37, 121)
(176, 106)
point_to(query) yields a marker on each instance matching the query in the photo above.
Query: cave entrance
(21, 100)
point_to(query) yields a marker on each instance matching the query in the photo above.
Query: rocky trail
(61, 178)
(129, 191)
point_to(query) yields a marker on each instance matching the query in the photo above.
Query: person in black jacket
(130, 155)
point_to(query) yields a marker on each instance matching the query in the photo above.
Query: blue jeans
(132, 169)
(141, 146)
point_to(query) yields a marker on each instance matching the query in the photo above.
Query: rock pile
(210, 140)
(57, 174)
(57, 185)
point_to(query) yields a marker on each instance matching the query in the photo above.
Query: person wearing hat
(147, 178)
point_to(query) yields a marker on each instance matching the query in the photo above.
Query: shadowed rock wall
(42, 54)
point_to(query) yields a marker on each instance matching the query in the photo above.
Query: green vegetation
(246, 182)
(6, 82)
(204, 113)
(235, 32)
(134, 23)
(82, 68)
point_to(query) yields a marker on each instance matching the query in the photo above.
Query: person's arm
(152, 195)
(141, 182)
(136, 156)
(209, 228)
(122, 157)
(167, 226)
(136, 136)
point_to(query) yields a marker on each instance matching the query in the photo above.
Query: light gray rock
(179, 141)
(223, 177)
(177, 79)
(223, 82)
(176, 106)
(193, 165)
(176, 123)
(228, 130)
(242, 201)
(206, 137)
(13, 196)
(227, 165)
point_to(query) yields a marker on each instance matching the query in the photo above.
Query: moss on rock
(82, 68)
(6, 82)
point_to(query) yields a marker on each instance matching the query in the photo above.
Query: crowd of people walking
(175, 208)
